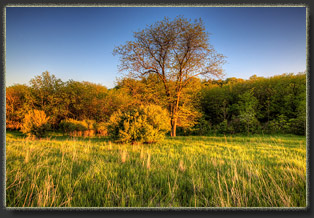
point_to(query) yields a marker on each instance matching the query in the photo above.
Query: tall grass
(226, 171)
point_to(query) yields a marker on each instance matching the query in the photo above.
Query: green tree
(85, 100)
(116, 99)
(247, 110)
(216, 103)
(46, 92)
(176, 51)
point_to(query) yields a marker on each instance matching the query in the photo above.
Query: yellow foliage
(35, 123)
(146, 124)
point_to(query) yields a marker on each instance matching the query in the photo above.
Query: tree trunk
(174, 113)
(173, 127)
(173, 121)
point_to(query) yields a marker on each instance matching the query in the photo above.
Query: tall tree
(46, 92)
(247, 109)
(176, 50)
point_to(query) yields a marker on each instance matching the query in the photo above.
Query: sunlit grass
(231, 171)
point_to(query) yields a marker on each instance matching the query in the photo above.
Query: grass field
(231, 171)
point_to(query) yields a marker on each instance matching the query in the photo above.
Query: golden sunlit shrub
(91, 128)
(78, 128)
(70, 126)
(145, 124)
(35, 124)
(101, 129)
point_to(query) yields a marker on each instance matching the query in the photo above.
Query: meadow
(189, 171)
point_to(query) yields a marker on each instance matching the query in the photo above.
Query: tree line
(257, 105)
(169, 64)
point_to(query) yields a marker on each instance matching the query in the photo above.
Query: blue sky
(77, 43)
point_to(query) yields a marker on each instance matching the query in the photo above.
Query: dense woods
(257, 105)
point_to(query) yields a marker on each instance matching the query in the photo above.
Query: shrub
(203, 127)
(101, 129)
(78, 128)
(13, 125)
(283, 124)
(145, 124)
(247, 107)
(90, 128)
(279, 125)
(67, 126)
(297, 126)
(35, 124)
(223, 127)
(236, 125)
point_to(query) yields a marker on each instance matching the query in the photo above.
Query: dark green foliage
(258, 105)
(247, 107)
(146, 124)
(280, 124)
(224, 128)
(203, 127)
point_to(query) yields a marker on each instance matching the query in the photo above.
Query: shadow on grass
(15, 134)
(83, 139)
(57, 136)
(267, 138)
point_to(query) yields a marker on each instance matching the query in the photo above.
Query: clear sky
(77, 43)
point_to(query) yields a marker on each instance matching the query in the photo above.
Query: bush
(202, 127)
(67, 126)
(91, 128)
(78, 128)
(35, 124)
(298, 126)
(145, 124)
(237, 126)
(223, 127)
(283, 124)
(279, 125)
(101, 129)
